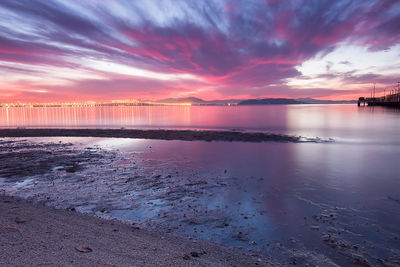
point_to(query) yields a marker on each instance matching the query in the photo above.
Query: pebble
(194, 254)
(19, 220)
(84, 249)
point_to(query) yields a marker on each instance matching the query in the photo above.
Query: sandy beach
(34, 235)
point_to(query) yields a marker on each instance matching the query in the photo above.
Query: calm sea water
(317, 203)
(347, 122)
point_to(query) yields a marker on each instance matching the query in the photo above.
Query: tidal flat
(296, 202)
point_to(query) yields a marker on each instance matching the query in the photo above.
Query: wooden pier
(390, 100)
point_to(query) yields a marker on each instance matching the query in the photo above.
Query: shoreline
(184, 135)
(32, 234)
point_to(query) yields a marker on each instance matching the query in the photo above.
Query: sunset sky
(110, 50)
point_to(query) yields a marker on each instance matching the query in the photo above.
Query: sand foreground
(34, 235)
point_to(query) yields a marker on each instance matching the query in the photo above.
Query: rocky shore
(186, 135)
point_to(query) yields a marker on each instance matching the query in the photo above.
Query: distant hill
(269, 101)
(317, 101)
(198, 101)
(243, 102)
(192, 100)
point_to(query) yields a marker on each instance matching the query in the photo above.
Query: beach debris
(84, 249)
(185, 257)
(102, 210)
(194, 254)
(315, 228)
(19, 220)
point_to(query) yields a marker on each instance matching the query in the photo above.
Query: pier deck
(392, 100)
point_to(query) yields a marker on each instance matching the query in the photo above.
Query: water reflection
(341, 122)
(309, 197)
(145, 116)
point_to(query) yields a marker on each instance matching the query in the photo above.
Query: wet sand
(33, 235)
(187, 135)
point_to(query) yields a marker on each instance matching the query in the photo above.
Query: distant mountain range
(317, 101)
(198, 101)
(243, 102)
(192, 100)
(269, 101)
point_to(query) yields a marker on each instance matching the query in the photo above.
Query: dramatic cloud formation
(102, 50)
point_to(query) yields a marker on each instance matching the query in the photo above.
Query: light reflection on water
(347, 122)
(274, 191)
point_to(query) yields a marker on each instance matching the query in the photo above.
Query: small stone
(19, 220)
(360, 261)
(185, 257)
(102, 210)
(84, 249)
(70, 170)
(326, 238)
(194, 254)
